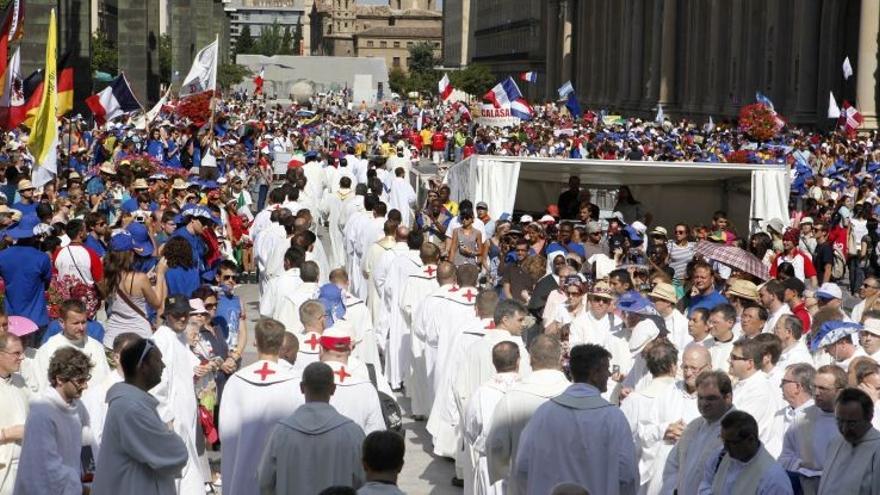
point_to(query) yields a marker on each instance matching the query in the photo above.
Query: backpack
(390, 408)
(838, 268)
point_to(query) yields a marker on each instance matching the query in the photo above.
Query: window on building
(408, 61)
(345, 25)
(383, 44)
(396, 44)
(370, 43)
(409, 44)
(436, 44)
(395, 62)
(391, 21)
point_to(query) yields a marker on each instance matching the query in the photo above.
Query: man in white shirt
(722, 318)
(835, 338)
(790, 331)
(812, 426)
(50, 459)
(519, 403)
(664, 298)
(547, 447)
(853, 462)
(73, 334)
(685, 465)
(772, 296)
(315, 447)
(869, 337)
(75, 259)
(255, 398)
(287, 283)
(743, 465)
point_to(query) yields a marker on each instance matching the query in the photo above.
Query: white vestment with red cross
(415, 294)
(398, 351)
(355, 397)
(254, 400)
(364, 338)
(457, 307)
(309, 351)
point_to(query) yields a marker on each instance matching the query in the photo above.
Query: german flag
(32, 88)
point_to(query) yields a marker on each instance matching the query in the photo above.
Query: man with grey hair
(789, 329)
(477, 420)
(315, 447)
(805, 442)
(684, 466)
(13, 414)
(519, 403)
(797, 391)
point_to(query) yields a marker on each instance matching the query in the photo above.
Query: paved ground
(422, 473)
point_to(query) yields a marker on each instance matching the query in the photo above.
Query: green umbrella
(102, 76)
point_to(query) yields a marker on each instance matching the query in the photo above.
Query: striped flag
(521, 109)
(565, 89)
(115, 100)
(530, 76)
(258, 82)
(444, 88)
(850, 118)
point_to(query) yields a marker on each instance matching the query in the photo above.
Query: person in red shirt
(794, 297)
(469, 148)
(438, 146)
(802, 263)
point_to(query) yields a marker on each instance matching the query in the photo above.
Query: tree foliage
(286, 47)
(229, 75)
(104, 55)
(474, 79)
(298, 38)
(422, 58)
(397, 80)
(245, 42)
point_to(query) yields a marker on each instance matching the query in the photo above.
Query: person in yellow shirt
(426, 134)
(450, 205)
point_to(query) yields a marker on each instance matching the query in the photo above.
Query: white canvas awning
(672, 191)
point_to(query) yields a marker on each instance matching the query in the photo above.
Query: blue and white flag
(574, 107)
(565, 89)
(762, 99)
(521, 109)
(660, 117)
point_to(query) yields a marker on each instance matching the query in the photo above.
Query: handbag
(390, 408)
(127, 300)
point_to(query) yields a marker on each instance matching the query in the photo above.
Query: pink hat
(198, 307)
(21, 326)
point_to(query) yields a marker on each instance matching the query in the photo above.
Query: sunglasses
(573, 293)
(227, 277)
(150, 345)
(211, 306)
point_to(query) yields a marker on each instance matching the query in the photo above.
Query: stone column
(869, 27)
(138, 47)
(667, 58)
(74, 40)
(551, 48)
(182, 39)
(565, 9)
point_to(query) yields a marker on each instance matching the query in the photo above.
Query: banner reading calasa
(496, 117)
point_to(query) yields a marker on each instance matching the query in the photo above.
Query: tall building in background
(458, 32)
(261, 14)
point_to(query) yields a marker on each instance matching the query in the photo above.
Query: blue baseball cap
(140, 238)
(25, 227)
(122, 242)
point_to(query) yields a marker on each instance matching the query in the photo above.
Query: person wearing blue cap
(194, 220)
(27, 271)
(835, 337)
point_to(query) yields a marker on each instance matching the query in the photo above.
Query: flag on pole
(565, 89)
(762, 99)
(850, 118)
(11, 29)
(660, 117)
(464, 113)
(44, 133)
(258, 81)
(530, 76)
(521, 109)
(115, 100)
(833, 109)
(13, 95)
(573, 106)
(504, 93)
(847, 69)
(202, 75)
(143, 121)
(65, 84)
(444, 88)
(710, 126)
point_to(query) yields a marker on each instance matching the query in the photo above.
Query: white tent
(671, 191)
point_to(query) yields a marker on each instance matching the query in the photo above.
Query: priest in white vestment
(312, 316)
(402, 197)
(753, 392)
(599, 457)
(685, 464)
(139, 454)
(269, 238)
(314, 448)
(331, 210)
(255, 399)
(14, 404)
(722, 319)
(743, 465)
(73, 334)
(286, 283)
(418, 310)
(379, 276)
(810, 432)
(790, 331)
(477, 420)
(475, 368)
(356, 312)
(639, 407)
(50, 459)
(287, 308)
(355, 396)
(176, 392)
(853, 460)
(369, 264)
(521, 400)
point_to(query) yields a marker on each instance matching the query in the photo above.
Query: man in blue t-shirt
(563, 241)
(27, 271)
(195, 221)
(230, 313)
(704, 282)
(26, 203)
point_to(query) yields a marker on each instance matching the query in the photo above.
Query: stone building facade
(696, 57)
(343, 28)
(458, 32)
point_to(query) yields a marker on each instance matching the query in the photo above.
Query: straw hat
(743, 289)
(24, 185)
(179, 184)
(664, 292)
(140, 184)
(602, 289)
(108, 168)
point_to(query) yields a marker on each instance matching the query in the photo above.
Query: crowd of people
(565, 351)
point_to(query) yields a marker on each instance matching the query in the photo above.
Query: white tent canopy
(671, 191)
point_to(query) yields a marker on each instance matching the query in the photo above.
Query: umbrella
(733, 257)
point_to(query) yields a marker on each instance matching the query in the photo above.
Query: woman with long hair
(631, 208)
(129, 292)
(182, 276)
